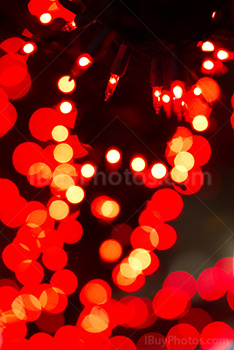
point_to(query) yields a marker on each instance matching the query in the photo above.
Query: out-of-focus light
(29, 48)
(158, 171)
(139, 259)
(178, 91)
(63, 153)
(45, 18)
(110, 209)
(223, 55)
(197, 91)
(65, 107)
(138, 164)
(110, 250)
(113, 156)
(179, 173)
(214, 14)
(200, 123)
(184, 159)
(166, 98)
(58, 210)
(208, 46)
(157, 93)
(85, 60)
(87, 171)
(60, 133)
(75, 194)
(208, 64)
(65, 85)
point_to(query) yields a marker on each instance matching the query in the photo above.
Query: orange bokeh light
(110, 209)
(166, 98)
(113, 156)
(138, 164)
(63, 153)
(60, 133)
(58, 210)
(110, 250)
(65, 85)
(75, 194)
(179, 173)
(87, 171)
(184, 159)
(200, 123)
(158, 171)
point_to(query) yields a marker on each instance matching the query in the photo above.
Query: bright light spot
(112, 80)
(166, 98)
(65, 85)
(110, 250)
(184, 159)
(139, 259)
(62, 182)
(63, 153)
(87, 171)
(60, 133)
(29, 48)
(58, 210)
(85, 61)
(65, 107)
(222, 55)
(200, 123)
(208, 46)
(110, 209)
(45, 18)
(179, 174)
(214, 14)
(158, 171)
(138, 164)
(75, 194)
(197, 91)
(113, 156)
(178, 91)
(157, 93)
(208, 65)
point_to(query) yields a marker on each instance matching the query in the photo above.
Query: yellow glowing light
(45, 18)
(110, 209)
(65, 107)
(166, 98)
(58, 210)
(29, 48)
(62, 182)
(158, 171)
(200, 123)
(87, 171)
(60, 133)
(157, 93)
(139, 259)
(179, 174)
(128, 272)
(65, 85)
(178, 91)
(84, 61)
(113, 156)
(208, 46)
(222, 55)
(185, 159)
(75, 194)
(138, 164)
(208, 65)
(197, 91)
(63, 153)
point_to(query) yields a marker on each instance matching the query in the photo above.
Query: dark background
(205, 228)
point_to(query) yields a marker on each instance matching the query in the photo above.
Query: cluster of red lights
(43, 230)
